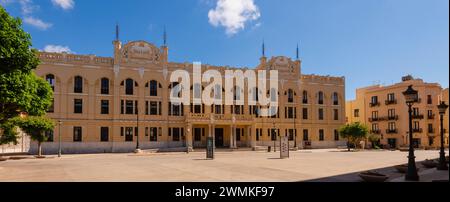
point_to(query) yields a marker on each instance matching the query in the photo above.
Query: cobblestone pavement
(312, 165)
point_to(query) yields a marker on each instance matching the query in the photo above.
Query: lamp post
(59, 138)
(442, 163)
(138, 149)
(274, 134)
(411, 97)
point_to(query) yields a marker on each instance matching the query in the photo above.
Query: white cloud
(233, 14)
(64, 4)
(38, 23)
(57, 49)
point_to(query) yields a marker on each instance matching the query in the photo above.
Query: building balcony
(431, 130)
(376, 119)
(376, 104)
(391, 102)
(220, 117)
(431, 117)
(391, 131)
(418, 116)
(375, 131)
(393, 118)
(417, 130)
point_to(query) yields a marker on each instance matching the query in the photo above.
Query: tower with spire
(164, 47)
(263, 59)
(117, 51)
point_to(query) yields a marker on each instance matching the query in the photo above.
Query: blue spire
(297, 53)
(165, 36)
(264, 49)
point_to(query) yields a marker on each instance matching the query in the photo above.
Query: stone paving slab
(238, 166)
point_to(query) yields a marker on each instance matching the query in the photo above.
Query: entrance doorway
(392, 143)
(219, 137)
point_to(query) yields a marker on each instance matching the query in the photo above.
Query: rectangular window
(122, 106)
(129, 107)
(336, 135)
(291, 134)
(375, 115)
(391, 97)
(198, 134)
(336, 114)
(374, 100)
(321, 115)
(391, 113)
(375, 128)
(321, 135)
(104, 134)
(238, 134)
(105, 107)
(77, 134)
(153, 108)
(305, 135)
(356, 113)
(273, 134)
(430, 128)
(416, 125)
(416, 111)
(128, 134)
(153, 134)
(78, 106)
(392, 127)
(429, 100)
(176, 134)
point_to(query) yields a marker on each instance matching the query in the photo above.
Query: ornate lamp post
(442, 163)
(411, 97)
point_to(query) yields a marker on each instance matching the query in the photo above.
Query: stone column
(189, 139)
(252, 133)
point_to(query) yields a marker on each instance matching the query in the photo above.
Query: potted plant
(372, 176)
(429, 163)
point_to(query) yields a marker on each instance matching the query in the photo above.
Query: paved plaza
(236, 166)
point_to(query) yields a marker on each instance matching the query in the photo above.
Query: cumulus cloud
(64, 4)
(38, 23)
(233, 14)
(57, 49)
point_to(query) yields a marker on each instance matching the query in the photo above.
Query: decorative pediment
(141, 50)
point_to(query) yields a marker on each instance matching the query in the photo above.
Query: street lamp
(59, 138)
(274, 134)
(442, 162)
(411, 97)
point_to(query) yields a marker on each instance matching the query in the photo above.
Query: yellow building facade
(109, 104)
(383, 109)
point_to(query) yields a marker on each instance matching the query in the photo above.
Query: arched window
(218, 92)
(290, 96)
(129, 87)
(78, 84)
(320, 98)
(335, 99)
(50, 78)
(197, 88)
(153, 88)
(305, 97)
(273, 95)
(237, 93)
(105, 86)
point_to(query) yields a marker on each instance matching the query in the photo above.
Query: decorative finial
(117, 31)
(297, 53)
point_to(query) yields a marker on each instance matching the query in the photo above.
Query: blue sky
(367, 41)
